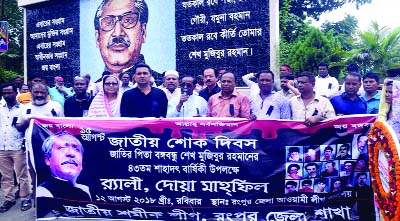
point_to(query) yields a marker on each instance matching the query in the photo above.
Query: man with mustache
(63, 153)
(349, 102)
(229, 102)
(309, 106)
(120, 32)
(210, 79)
(325, 85)
(171, 82)
(78, 105)
(40, 106)
(287, 86)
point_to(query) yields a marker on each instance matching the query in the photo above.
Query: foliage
(344, 30)
(314, 8)
(13, 58)
(291, 25)
(377, 49)
(7, 76)
(313, 48)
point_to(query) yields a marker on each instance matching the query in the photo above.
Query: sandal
(25, 205)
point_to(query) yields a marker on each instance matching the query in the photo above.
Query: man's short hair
(332, 162)
(190, 76)
(291, 182)
(81, 78)
(361, 174)
(322, 180)
(288, 67)
(328, 148)
(345, 145)
(373, 75)
(47, 145)
(312, 164)
(359, 137)
(14, 87)
(39, 84)
(304, 182)
(140, 6)
(33, 76)
(323, 64)
(265, 71)
(287, 76)
(348, 161)
(354, 75)
(294, 149)
(141, 65)
(229, 72)
(352, 67)
(293, 165)
(213, 69)
(309, 75)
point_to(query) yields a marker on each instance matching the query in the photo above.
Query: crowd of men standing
(309, 98)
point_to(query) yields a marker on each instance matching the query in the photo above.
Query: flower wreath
(385, 169)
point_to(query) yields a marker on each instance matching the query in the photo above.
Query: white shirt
(11, 139)
(176, 93)
(327, 87)
(194, 104)
(51, 109)
(275, 106)
(254, 88)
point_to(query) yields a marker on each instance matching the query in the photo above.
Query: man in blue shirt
(371, 96)
(349, 102)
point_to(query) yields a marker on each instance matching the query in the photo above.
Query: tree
(13, 58)
(314, 8)
(311, 49)
(344, 30)
(377, 49)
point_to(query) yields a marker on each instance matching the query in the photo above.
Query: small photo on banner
(3, 36)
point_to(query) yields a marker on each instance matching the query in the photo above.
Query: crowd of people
(307, 98)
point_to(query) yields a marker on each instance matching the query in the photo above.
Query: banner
(202, 169)
(3, 36)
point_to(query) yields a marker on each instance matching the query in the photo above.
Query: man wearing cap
(59, 92)
(171, 82)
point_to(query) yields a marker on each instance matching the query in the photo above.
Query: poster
(207, 169)
(187, 36)
(3, 36)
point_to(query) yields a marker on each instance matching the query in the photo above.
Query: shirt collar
(234, 93)
(17, 105)
(344, 96)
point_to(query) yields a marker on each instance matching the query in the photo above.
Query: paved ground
(15, 213)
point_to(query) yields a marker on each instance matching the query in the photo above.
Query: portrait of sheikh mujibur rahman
(120, 29)
(63, 154)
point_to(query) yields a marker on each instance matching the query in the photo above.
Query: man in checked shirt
(309, 106)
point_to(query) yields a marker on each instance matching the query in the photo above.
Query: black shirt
(74, 108)
(206, 94)
(135, 103)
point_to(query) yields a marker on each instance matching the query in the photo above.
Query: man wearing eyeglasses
(120, 32)
(187, 104)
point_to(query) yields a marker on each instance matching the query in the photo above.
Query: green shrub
(8, 76)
